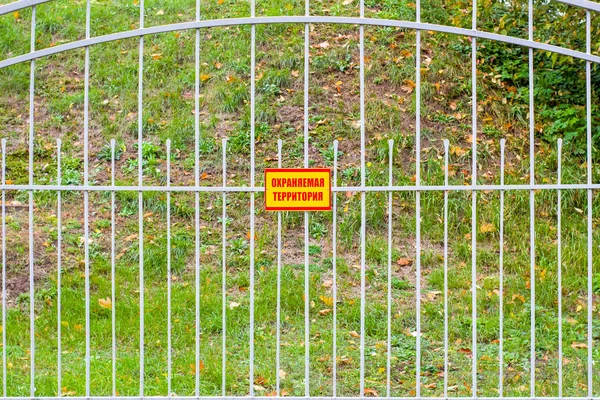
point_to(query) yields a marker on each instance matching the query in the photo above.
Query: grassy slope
(334, 114)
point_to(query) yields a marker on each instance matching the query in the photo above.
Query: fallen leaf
(156, 56)
(105, 303)
(487, 228)
(16, 15)
(204, 77)
(325, 311)
(403, 262)
(409, 86)
(371, 392)
(354, 334)
(429, 386)
(466, 351)
(327, 300)
(576, 345)
(160, 12)
(193, 368)
(282, 374)
(233, 304)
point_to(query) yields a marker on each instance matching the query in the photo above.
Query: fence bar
(197, 198)
(86, 202)
(334, 271)
(590, 289)
(4, 271)
(112, 270)
(169, 311)
(446, 173)
(501, 275)
(59, 267)
(278, 333)
(363, 216)
(252, 184)
(389, 272)
(31, 243)
(306, 215)
(531, 203)
(418, 201)
(559, 270)
(474, 202)
(224, 273)
(140, 194)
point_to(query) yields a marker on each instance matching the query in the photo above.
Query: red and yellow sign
(297, 189)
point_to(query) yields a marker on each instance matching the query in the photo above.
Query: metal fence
(418, 189)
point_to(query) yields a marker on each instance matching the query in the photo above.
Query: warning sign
(297, 189)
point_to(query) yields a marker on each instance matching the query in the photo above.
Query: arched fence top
(297, 19)
(21, 4)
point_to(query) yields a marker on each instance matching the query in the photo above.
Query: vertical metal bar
(446, 173)
(363, 216)
(112, 270)
(197, 198)
(590, 289)
(306, 216)
(531, 204)
(169, 311)
(140, 194)
(86, 202)
(59, 266)
(418, 202)
(501, 276)
(31, 243)
(4, 271)
(474, 202)
(252, 183)
(389, 272)
(278, 334)
(224, 272)
(334, 272)
(559, 270)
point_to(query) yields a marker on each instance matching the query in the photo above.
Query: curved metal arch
(301, 20)
(21, 4)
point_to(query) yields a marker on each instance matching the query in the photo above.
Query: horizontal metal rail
(258, 189)
(298, 20)
(294, 398)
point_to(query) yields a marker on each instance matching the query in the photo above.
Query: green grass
(334, 113)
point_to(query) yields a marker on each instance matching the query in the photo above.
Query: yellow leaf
(105, 303)
(16, 15)
(78, 327)
(327, 300)
(487, 228)
(204, 77)
(409, 86)
(220, 2)
(156, 56)
(9, 181)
